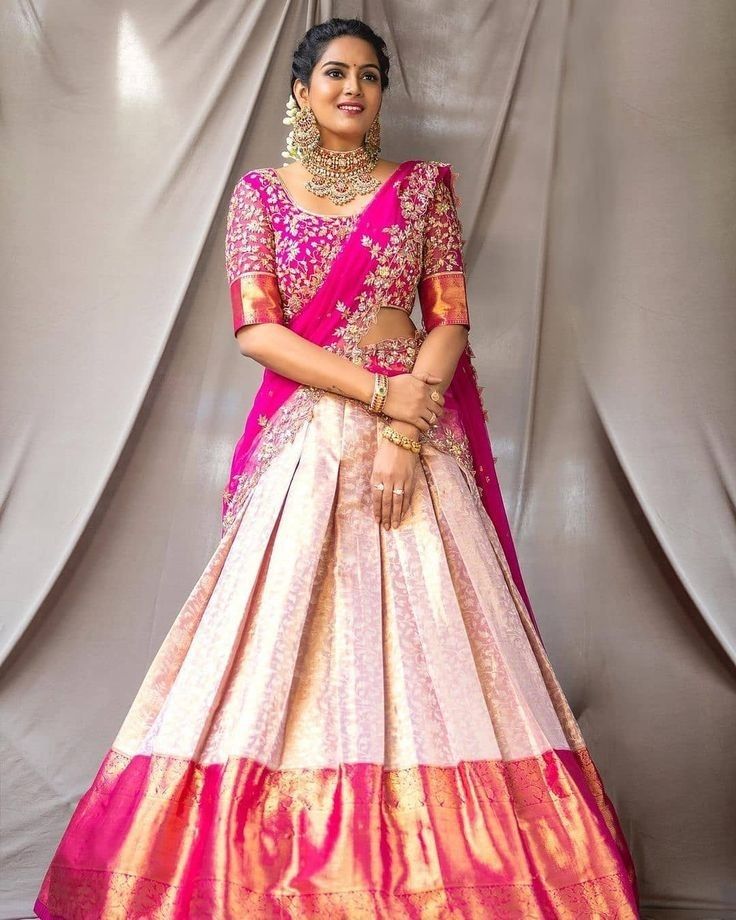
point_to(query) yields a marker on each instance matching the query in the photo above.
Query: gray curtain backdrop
(596, 151)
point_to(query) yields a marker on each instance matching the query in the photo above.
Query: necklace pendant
(342, 189)
(340, 175)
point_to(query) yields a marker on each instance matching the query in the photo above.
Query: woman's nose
(353, 84)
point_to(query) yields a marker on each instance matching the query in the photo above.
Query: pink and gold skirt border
(160, 837)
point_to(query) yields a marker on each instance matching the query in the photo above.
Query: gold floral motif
(442, 241)
(305, 244)
(387, 352)
(249, 242)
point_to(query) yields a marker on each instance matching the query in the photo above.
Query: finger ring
(433, 419)
(434, 395)
(379, 485)
(398, 491)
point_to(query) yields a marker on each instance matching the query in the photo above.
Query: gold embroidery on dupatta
(275, 435)
(394, 256)
(399, 350)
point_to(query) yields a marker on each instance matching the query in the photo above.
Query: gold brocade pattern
(454, 838)
(115, 896)
(438, 613)
(444, 299)
(527, 782)
(255, 298)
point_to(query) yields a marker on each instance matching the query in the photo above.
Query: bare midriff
(391, 323)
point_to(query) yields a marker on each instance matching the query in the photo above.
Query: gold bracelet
(403, 439)
(380, 392)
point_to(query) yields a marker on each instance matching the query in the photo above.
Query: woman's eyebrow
(343, 64)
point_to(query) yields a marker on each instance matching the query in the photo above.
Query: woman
(353, 715)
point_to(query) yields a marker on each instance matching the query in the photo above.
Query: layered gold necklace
(340, 175)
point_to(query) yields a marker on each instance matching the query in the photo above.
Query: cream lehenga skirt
(346, 721)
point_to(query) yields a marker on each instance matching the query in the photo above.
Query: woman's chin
(350, 138)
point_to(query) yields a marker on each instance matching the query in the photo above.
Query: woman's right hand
(409, 399)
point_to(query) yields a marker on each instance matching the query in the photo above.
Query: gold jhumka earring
(339, 175)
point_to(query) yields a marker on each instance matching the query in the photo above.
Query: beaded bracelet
(403, 439)
(380, 392)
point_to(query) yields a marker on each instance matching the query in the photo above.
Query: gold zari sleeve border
(443, 298)
(255, 298)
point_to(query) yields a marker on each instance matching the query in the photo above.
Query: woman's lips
(352, 110)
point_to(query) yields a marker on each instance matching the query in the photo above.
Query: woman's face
(346, 72)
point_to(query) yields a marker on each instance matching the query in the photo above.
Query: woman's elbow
(253, 340)
(453, 332)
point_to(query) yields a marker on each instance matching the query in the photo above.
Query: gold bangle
(380, 392)
(402, 439)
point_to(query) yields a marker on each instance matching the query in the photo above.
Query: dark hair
(310, 48)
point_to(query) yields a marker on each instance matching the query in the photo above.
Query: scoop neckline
(302, 210)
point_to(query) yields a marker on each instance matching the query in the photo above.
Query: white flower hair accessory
(292, 151)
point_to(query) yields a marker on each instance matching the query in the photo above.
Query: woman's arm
(442, 290)
(439, 354)
(284, 351)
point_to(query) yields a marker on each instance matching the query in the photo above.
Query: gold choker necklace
(340, 175)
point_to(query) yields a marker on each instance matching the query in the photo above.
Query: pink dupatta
(340, 312)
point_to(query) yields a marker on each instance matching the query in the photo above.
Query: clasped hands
(410, 406)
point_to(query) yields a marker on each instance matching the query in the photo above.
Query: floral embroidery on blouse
(443, 242)
(250, 260)
(305, 244)
(249, 240)
(442, 291)
(268, 234)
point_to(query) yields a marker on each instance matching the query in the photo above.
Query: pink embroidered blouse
(277, 254)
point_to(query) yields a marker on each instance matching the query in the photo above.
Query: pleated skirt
(347, 722)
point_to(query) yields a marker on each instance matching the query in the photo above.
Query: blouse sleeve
(250, 258)
(442, 290)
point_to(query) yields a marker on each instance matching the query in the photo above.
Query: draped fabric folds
(594, 143)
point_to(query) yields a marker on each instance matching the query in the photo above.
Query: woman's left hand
(395, 467)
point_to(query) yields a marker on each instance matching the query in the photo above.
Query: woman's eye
(372, 76)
